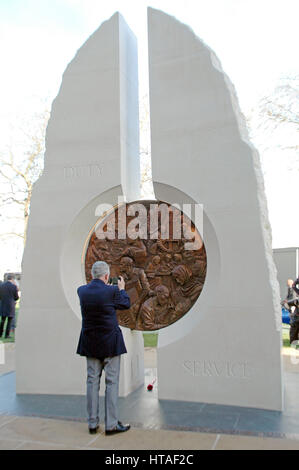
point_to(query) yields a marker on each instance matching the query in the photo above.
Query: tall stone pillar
(226, 349)
(92, 157)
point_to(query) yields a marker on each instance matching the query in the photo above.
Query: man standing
(296, 286)
(291, 304)
(101, 341)
(9, 295)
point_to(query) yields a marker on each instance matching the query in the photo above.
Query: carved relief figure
(137, 287)
(163, 279)
(188, 285)
(187, 290)
(136, 250)
(155, 311)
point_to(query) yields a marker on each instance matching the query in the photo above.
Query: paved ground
(27, 432)
(50, 434)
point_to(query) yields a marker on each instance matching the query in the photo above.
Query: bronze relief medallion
(163, 278)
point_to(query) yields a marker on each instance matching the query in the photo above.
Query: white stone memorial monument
(226, 349)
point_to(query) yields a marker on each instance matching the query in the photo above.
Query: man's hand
(121, 283)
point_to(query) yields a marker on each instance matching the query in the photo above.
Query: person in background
(291, 294)
(296, 286)
(9, 295)
(291, 304)
(101, 341)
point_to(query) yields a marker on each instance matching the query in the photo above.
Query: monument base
(131, 365)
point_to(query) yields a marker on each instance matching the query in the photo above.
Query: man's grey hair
(99, 269)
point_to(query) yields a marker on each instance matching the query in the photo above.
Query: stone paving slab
(46, 430)
(50, 434)
(4, 419)
(155, 440)
(6, 444)
(28, 445)
(226, 442)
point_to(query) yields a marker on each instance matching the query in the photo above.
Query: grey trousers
(94, 371)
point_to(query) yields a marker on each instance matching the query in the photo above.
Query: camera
(114, 281)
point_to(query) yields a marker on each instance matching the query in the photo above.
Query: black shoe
(93, 430)
(119, 428)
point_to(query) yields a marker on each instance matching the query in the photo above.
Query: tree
(21, 164)
(275, 121)
(283, 105)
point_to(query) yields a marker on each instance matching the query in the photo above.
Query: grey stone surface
(226, 350)
(92, 157)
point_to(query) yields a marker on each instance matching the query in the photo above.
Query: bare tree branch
(11, 234)
(19, 173)
(278, 113)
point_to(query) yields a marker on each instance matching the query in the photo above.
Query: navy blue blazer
(100, 334)
(9, 295)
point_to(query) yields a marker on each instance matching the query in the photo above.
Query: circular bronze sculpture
(163, 278)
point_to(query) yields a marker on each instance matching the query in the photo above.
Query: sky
(255, 40)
